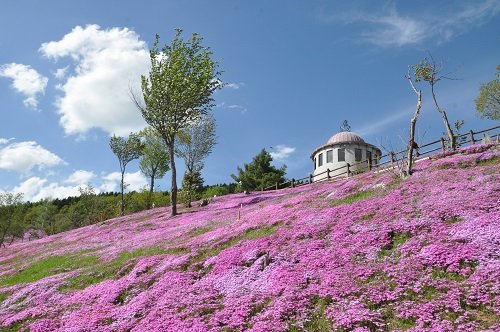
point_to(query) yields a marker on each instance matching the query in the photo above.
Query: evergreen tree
(192, 185)
(259, 173)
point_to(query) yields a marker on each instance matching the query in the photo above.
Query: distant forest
(26, 221)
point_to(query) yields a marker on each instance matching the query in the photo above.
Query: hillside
(368, 253)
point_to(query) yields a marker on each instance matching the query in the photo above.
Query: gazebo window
(341, 154)
(357, 154)
(314, 163)
(320, 160)
(329, 156)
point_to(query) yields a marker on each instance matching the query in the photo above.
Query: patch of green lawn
(358, 196)
(116, 268)
(249, 234)
(47, 267)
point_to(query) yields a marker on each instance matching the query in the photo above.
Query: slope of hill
(368, 253)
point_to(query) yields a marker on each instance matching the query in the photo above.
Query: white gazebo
(342, 149)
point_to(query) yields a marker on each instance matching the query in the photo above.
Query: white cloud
(389, 28)
(5, 140)
(235, 85)
(80, 177)
(35, 189)
(374, 127)
(24, 156)
(133, 181)
(60, 73)
(239, 108)
(26, 81)
(107, 62)
(395, 30)
(281, 152)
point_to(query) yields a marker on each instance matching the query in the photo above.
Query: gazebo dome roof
(345, 137)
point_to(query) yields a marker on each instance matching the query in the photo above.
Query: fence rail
(391, 159)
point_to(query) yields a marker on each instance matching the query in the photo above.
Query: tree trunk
(122, 188)
(173, 193)
(411, 141)
(151, 189)
(445, 120)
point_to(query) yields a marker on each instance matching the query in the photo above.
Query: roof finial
(345, 126)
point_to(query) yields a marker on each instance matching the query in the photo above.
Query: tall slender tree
(155, 160)
(196, 142)
(407, 171)
(177, 91)
(429, 71)
(126, 150)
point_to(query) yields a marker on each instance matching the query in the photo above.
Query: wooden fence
(390, 159)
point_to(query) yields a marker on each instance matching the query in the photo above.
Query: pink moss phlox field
(368, 253)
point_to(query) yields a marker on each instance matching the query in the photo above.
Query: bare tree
(407, 170)
(429, 71)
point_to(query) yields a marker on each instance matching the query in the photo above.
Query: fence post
(442, 144)
(392, 157)
(348, 170)
(310, 178)
(293, 183)
(472, 140)
(328, 173)
(276, 185)
(369, 163)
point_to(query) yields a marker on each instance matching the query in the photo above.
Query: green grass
(442, 274)
(47, 267)
(493, 161)
(453, 220)
(4, 296)
(396, 239)
(199, 231)
(15, 327)
(118, 267)
(249, 234)
(358, 196)
(317, 320)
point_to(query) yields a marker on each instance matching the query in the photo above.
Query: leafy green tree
(177, 91)
(9, 202)
(259, 173)
(41, 216)
(192, 185)
(196, 142)
(155, 160)
(488, 102)
(126, 150)
(430, 72)
(215, 191)
(89, 204)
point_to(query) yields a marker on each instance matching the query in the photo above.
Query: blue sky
(294, 71)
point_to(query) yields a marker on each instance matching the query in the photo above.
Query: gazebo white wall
(350, 142)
